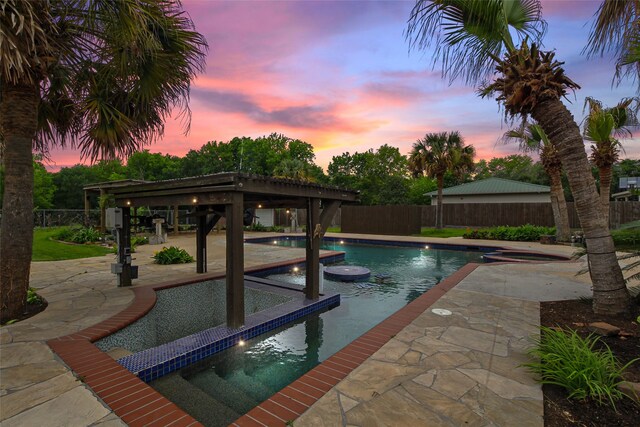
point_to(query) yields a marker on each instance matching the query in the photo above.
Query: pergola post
(124, 249)
(103, 207)
(87, 208)
(201, 239)
(314, 237)
(176, 214)
(235, 261)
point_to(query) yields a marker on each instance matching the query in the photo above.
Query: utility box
(114, 218)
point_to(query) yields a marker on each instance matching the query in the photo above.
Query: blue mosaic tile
(155, 362)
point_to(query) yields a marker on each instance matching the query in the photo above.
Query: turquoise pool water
(234, 381)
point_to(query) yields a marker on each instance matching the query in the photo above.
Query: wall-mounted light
(259, 206)
(288, 211)
(128, 202)
(195, 200)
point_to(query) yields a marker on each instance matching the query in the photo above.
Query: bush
(629, 237)
(256, 227)
(571, 362)
(172, 255)
(77, 234)
(523, 233)
(33, 297)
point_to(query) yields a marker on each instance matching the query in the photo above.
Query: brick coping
(138, 404)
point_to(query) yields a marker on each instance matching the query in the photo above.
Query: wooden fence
(405, 220)
(492, 214)
(398, 220)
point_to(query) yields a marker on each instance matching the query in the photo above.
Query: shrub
(629, 237)
(86, 235)
(523, 233)
(77, 234)
(256, 227)
(33, 297)
(172, 255)
(571, 362)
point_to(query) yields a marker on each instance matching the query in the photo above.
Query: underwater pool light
(296, 269)
(342, 242)
(241, 342)
(426, 246)
(275, 242)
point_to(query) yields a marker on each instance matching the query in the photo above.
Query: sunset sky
(339, 75)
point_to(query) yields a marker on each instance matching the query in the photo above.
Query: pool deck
(439, 370)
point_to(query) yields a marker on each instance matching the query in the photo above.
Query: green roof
(493, 186)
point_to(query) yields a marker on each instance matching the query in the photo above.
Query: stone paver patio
(443, 370)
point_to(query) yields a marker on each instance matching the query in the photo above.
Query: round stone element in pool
(347, 273)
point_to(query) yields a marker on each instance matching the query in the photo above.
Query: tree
(379, 175)
(43, 188)
(532, 138)
(473, 38)
(101, 76)
(616, 30)
(439, 153)
(517, 167)
(601, 127)
(153, 166)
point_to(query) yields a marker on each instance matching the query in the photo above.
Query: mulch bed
(560, 411)
(32, 310)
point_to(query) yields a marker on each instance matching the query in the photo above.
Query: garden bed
(560, 411)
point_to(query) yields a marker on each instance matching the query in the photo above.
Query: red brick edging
(138, 404)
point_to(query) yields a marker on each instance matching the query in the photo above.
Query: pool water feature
(268, 363)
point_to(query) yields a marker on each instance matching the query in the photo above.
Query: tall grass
(572, 362)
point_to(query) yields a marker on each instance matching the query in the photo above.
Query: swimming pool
(219, 389)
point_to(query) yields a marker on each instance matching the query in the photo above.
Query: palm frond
(471, 36)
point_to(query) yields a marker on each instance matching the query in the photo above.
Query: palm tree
(101, 76)
(616, 30)
(471, 38)
(601, 127)
(532, 138)
(439, 153)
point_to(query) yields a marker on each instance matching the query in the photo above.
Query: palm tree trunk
(559, 207)
(606, 174)
(610, 295)
(18, 121)
(440, 208)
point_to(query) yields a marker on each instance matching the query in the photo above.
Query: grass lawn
(46, 249)
(444, 232)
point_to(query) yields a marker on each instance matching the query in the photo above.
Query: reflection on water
(242, 377)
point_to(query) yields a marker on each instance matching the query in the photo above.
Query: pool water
(236, 380)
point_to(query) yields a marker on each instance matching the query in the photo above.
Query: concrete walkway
(453, 368)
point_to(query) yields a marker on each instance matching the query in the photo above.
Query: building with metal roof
(494, 190)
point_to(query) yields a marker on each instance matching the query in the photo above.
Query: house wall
(265, 217)
(494, 198)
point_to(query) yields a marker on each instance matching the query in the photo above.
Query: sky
(340, 76)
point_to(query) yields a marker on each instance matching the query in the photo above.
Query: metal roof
(493, 186)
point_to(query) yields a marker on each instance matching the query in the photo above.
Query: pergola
(228, 195)
(102, 188)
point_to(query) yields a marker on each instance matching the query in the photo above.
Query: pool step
(200, 405)
(251, 385)
(226, 392)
